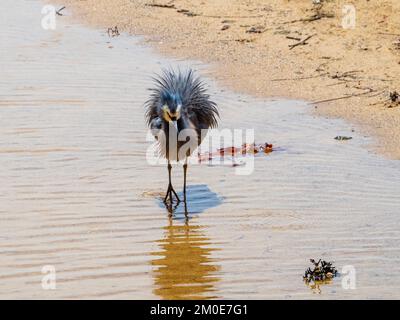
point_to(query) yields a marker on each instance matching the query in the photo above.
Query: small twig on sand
(344, 97)
(339, 83)
(232, 17)
(347, 74)
(376, 94)
(389, 34)
(293, 38)
(312, 18)
(187, 12)
(301, 43)
(300, 78)
(159, 5)
(58, 12)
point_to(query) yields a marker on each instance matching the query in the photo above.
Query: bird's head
(171, 107)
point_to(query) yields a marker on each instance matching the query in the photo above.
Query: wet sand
(78, 194)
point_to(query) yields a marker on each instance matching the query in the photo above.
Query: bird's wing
(196, 125)
(155, 126)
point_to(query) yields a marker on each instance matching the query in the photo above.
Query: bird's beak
(175, 124)
(176, 115)
(172, 122)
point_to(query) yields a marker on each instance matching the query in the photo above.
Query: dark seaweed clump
(322, 271)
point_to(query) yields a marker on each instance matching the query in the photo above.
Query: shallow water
(77, 192)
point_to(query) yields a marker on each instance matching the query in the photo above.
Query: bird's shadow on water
(199, 198)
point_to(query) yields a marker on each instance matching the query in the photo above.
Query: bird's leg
(186, 210)
(170, 190)
(184, 180)
(184, 186)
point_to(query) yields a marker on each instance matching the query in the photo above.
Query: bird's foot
(169, 196)
(171, 208)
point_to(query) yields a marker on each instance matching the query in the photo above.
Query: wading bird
(178, 104)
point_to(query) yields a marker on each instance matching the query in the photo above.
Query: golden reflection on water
(315, 286)
(184, 267)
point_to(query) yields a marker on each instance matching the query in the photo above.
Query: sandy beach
(248, 44)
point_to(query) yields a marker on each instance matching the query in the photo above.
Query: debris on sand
(322, 270)
(113, 32)
(397, 44)
(343, 138)
(225, 27)
(246, 148)
(259, 148)
(160, 5)
(244, 40)
(319, 13)
(394, 99)
(322, 273)
(394, 96)
(256, 29)
(187, 12)
(228, 21)
(301, 43)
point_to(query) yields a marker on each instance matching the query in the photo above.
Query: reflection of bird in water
(178, 105)
(315, 286)
(184, 269)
